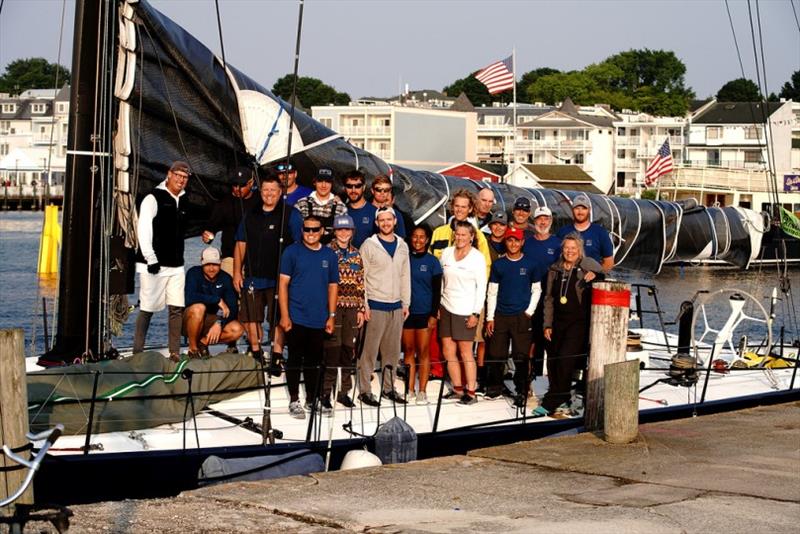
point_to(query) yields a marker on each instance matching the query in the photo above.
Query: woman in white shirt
(463, 295)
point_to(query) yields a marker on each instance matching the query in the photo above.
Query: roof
(737, 112)
(570, 177)
(696, 104)
(39, 93)
(568, 107)
(63, 94)
(496, 169)
(462, 103)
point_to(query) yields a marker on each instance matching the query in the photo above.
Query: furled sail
(178, 101)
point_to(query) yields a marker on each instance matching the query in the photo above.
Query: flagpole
(514, 129)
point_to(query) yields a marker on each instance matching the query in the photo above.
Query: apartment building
(425, 138)
(33, 137)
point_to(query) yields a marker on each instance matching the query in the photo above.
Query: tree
(32, 73)
(739, 90)
(529, 77)
(476, 92)
(310, 91)
(791, 89)
(554, 88)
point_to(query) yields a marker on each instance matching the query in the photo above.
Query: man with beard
(255, 270)
(387, 287)
(596, 240)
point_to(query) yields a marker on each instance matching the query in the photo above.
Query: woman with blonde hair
(567, 305)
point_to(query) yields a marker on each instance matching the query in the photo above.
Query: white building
(418, 137)
(33, 137)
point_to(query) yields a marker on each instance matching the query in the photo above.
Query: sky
(372, 48)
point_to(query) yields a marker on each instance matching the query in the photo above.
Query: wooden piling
(13, 410)
(607, 342)
(621, 408)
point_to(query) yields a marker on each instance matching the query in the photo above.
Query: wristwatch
(476, 315)
(332, 314)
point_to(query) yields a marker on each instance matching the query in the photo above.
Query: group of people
(342, 286)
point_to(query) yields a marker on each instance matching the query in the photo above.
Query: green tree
(310, 91)
(739, 90)
(528, 78)
(476, 92)
(554, 88)
(32, 73)
(659, 70)
(791, 89)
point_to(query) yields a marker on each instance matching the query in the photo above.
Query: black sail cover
(178, 101)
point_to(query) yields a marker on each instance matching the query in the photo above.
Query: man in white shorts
(159, 259)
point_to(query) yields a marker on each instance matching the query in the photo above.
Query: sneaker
(296, 410)
(203, 349)
(395, 396)
(481, 391)
(368, 399)
(540, 411)
(258, 356)
(191, 354)
(308, 405)
(231, 349)
(175, 357)
(422, 398)
(452, 395)
(326, 408)
(466, 400)
(492, 394)
(345, 401)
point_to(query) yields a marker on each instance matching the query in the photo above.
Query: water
(22, 291)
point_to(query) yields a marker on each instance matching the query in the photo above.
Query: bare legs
(464, 348)
(416, 345)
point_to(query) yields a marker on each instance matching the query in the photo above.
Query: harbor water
(28, 301)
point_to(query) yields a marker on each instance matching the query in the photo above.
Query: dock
(730, 472)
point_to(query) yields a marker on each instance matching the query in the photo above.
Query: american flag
(661, 164)
(498, 76)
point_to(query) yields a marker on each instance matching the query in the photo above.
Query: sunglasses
(312, 229)
(353, 186)
(382, 189)
(284, 168)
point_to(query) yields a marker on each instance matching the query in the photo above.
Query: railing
(708, 178)
(29, 191)
(538, 144)
(365, 130)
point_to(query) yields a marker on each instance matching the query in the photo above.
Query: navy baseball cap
(324, 174)
(522, 203)
(342, 222)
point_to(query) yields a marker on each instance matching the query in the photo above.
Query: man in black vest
(159, 260)
(255, 266)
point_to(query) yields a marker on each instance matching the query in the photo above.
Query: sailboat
(145, 92)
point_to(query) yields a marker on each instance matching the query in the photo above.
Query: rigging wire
(794, 11)
(765, 110)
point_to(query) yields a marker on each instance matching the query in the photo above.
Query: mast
(78, 293)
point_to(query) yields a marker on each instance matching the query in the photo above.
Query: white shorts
(157, 291)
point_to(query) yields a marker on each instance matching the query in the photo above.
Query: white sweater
(464, 282)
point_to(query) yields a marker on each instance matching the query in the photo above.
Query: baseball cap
(516, 233)
(542, 210)
(241, 175)
(499, 217)
(581, 200)
(342, 222)
(180, 166)
(324, 174)
(385, 209)
(210, 255)
(522, 203)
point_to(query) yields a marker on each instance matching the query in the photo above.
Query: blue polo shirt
(301, 192)
(311, 272)
(543, 253)
(596, 241)
(364, 218)
(423, 269)
(514, 279)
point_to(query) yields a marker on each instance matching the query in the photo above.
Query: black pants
(538, 340)
(567, 354)
(515, 329)
(305, 354)
(340, 351)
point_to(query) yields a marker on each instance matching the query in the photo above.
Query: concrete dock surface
(731, 472)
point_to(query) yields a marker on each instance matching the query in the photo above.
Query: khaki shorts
(227, 266)
(208, 322)
(455, 326)
(251, 309)
(157, 291)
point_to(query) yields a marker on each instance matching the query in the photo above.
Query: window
(634, 132)
(621, 132)
(713, 132)
(62, 107)
(4, 149)
(620, 154)
(326, 122)
(9, 108)
(579, 159)
(620, 179)
(5, 126)
(752, 156)
(385, 122)
(37, 108)
(751, 132)
(537, 135)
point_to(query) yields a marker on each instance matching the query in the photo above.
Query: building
(418, 137)
(563, 177)
(496, 128)
(477, 170)
(570, 135)
(727, 152)
(33, 140)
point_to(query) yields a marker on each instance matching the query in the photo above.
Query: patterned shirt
(351, 277)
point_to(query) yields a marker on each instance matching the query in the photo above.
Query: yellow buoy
(50, 241)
